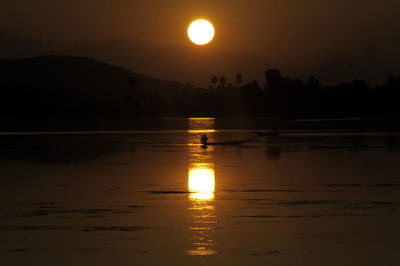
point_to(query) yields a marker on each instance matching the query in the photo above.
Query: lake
(154, 196)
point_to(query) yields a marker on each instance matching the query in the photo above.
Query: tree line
(81, 87)
(282, 96)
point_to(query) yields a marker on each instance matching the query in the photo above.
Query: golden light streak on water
(201, 185)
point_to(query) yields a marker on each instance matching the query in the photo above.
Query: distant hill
(183, 63)
(73, 72)
(187, 63)
(371, 62)
(68, 86)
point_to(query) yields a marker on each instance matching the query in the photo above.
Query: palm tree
(222, 81)
(214, 80)
(239, 79)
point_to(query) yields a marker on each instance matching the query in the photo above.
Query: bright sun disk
(201, 32)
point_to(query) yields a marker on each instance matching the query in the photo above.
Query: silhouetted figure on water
(204, 140)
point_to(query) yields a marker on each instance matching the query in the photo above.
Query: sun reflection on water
(201, 185)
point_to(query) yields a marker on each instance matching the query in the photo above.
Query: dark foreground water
(158, 198)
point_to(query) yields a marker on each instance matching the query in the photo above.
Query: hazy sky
(280, 30)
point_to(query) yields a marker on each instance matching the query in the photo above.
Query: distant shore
(226, 123)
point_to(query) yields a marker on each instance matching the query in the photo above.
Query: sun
(201, 32)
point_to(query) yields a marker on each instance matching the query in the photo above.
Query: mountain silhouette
(183, 63)
(76, 86)
(369, 61)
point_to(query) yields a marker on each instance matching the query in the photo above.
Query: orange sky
(289, 31)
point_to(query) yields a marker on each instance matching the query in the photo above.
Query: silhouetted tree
(313, 82)
(273, 77)
(214, 80)
(238, 79)
(222, 81)
(391, 82)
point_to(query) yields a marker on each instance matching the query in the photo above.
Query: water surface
(157, 197)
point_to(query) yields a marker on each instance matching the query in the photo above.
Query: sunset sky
(311, 33)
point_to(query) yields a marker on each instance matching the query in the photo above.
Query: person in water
(204, 140)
